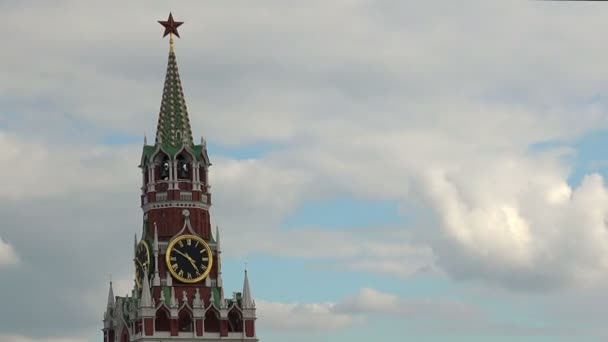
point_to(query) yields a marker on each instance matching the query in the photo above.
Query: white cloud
(357, 308)
(517, 222)
(302, 317)
(40, 170)
(363, 103)
(8, 256)
(371, 301)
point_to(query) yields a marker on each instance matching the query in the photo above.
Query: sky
(388, 170)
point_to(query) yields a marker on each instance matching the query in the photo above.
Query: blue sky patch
(344, 213)
(252, 151)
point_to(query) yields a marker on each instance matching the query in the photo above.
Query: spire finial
(171, 26)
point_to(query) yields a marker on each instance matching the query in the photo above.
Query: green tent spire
(173, 130)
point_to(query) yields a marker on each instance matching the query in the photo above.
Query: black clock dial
(189, 258)
(142, 262)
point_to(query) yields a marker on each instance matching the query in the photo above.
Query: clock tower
(178, 289)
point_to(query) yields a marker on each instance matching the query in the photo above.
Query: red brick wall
(199, 327)
(249, 328)
(170, 221)
(149, 326)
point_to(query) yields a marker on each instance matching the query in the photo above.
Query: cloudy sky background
(389, 169)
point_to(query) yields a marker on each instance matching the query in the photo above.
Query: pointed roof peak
(146, 296)
(173, 130)
(110, 296)
(247, 298)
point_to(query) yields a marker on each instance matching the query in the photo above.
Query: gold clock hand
(189, 259)
(184, 255)
(194, 265)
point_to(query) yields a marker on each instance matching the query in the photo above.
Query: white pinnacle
(111, 297)
(173, 303)
(156, 280)
(217, 238)
(146, 296)
(247, 299)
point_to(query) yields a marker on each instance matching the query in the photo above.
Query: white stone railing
(185, 196)
(161, 196)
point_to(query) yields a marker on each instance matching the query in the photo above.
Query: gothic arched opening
(184, 166)
(235, 321)
(125, 335)
(163, 166)
(185, 321)
(212, 321)
(144, 167)
(162, 321)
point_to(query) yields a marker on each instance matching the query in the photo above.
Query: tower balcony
(161, 196)
(182, 196)
(185, 195)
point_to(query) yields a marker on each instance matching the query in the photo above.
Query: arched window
(125, 335)
(212, 321)
(144, 167)
(162, 165)
(235, 321)
(162, 323)
(184, 167)
(165, 167)
(185, 320)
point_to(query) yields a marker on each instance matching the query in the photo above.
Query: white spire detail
(156, 280)
(111, 302)
(211, 297)
(169, 280)
(173, 302)
(217, 238)
(146, 296)
(247, 298)
(155, 247)
(197, 302)
(162, 295)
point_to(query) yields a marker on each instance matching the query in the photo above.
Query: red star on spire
(171, 26)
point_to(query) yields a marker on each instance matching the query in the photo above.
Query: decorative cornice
(175, 204)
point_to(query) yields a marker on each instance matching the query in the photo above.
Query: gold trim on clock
(189, 258)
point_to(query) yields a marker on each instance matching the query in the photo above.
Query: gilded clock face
(189, 258)
(142, 262)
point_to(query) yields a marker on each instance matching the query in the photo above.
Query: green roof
(173, 129)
